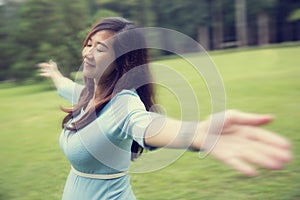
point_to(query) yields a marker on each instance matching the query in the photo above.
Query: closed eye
(100, 48)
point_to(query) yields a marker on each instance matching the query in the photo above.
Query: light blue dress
(103, 146)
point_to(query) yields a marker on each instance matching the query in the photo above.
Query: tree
(294, 17)
(44, 29)
(32, 31)
(126, 8)
(262, 12)
(217, 23)
(241, 22)
(287, 30)
(75, 16)
(8, 46)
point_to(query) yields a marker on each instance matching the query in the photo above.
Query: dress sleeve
(70, 92)
(130, 114)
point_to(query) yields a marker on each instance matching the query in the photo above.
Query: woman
(111, 122)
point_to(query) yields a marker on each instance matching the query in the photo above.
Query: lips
(88, 64)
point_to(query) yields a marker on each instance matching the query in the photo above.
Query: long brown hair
(125, 36)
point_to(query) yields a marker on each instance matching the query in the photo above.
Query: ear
(129, 61)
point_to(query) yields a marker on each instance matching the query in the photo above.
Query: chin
(87, 74)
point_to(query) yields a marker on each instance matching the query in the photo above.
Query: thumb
(54, 64)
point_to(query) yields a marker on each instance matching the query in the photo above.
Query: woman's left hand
(243, 145)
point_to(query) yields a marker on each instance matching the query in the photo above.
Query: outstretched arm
(66, 88)
(242, 143)
(50, 70)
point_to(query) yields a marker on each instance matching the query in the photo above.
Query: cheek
(105, 68)
(104, 60)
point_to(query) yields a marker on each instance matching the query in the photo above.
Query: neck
(103, 84)
(97, 91)
(100, 88)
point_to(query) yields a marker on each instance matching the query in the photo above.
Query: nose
(87, 52)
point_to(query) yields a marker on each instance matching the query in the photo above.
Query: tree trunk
(298, 30)
(263, 28)
(241, 22)
(217, 20)
(287, 30)
(273, 29)
(203, 37)
(252, 32)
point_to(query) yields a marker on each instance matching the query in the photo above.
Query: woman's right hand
(49, 69)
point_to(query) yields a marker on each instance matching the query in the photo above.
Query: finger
(268, 137)
(51, 62)
(45, 75)
(43, 65)
(44, 72)
(279, 154)
(261, 159)
(253, 119)
(241, 166)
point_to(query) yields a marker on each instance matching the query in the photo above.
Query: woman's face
(98, 54)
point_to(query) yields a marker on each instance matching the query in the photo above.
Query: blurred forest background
(32, 31)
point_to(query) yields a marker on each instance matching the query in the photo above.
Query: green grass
(257, 80)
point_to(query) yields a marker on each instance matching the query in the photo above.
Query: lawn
(256, 80)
